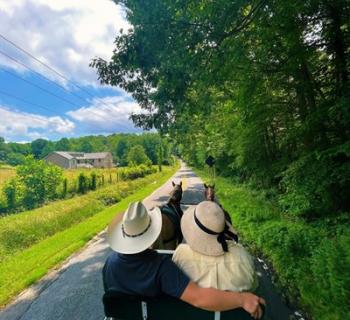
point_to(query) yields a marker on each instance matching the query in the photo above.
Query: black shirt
(147, 274)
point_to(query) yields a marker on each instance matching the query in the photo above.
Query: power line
(57, 73)
(52, 69)
(46, 65)
(41, 75)
(47, 109)
(28, 102)
(39, 87)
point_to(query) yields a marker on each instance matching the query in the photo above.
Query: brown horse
(171, 235)
(209, 195)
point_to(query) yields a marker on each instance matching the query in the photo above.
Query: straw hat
(205, 229)
(138, 230)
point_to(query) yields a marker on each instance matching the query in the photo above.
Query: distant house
(73, 160)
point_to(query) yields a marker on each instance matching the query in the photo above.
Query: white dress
(233, 271)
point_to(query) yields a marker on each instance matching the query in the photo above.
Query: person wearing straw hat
(137, 270)
(211, 256)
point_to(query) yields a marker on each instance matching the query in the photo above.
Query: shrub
(93, 181)
(109, 197)
(318, 183)
(40, 181)
(82, 183)
(11, 192)
(64, 187)
(327, 288)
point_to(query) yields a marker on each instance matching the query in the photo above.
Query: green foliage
(12, 192)
(118, 144)
(318, 183)
(22, 230)
(93, 181)
(15, 159)
(137, 156)
(83, 184)
(311, 260)
(263, 86)
(4, 149)
(38, 146)
(135, 172)
(40, 181)
(330, 278)
(63, 145)
(64, 188)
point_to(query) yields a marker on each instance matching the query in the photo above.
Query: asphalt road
(75, 290)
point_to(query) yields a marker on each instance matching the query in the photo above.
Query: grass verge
(311, 260)
(19, 231)
(23, 268)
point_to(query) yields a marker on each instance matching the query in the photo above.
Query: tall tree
(262, 85)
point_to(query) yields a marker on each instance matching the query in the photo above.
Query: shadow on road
(75, 294)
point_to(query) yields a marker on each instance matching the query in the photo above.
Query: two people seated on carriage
(211, 256)
(135, 269)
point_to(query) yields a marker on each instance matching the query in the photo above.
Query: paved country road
(75, 290)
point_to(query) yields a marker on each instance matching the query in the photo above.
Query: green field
(35, 241)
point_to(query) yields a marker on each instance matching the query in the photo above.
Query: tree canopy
(263, 86)
(118, 144)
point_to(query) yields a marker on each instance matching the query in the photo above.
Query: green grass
(312, 260)
(26, 266)
(19, 231)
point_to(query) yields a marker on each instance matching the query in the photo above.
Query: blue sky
(65, 35)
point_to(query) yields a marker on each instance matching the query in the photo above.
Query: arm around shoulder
(216, 300)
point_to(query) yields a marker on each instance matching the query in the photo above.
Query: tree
(258, 84)
(86, 146)
(137, 156)
(38, 146)
(4, 149)
(40, 181)
(121, 151)
(62, 145)
(15, 159)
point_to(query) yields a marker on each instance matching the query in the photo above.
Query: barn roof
(82, 155)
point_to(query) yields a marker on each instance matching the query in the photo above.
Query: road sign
(210, 161)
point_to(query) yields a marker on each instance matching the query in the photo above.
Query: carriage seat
(128, 307)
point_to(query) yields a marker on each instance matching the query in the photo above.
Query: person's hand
(251, 304)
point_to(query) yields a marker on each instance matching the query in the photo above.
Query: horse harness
(175, 215)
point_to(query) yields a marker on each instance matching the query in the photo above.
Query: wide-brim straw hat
(137, 231)
(210, 216)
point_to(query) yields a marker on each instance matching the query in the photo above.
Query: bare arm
(217, 300)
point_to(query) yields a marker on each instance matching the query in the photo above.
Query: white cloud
(65, 34)
(14, 124)
(106, 115)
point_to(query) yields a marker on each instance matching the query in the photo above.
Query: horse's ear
(205, 186)
(181, 183)
(172, 182)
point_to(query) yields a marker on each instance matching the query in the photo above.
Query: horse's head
(176, 193)
(209, 192)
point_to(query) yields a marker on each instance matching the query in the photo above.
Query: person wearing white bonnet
(134, 269)
(211, 256)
